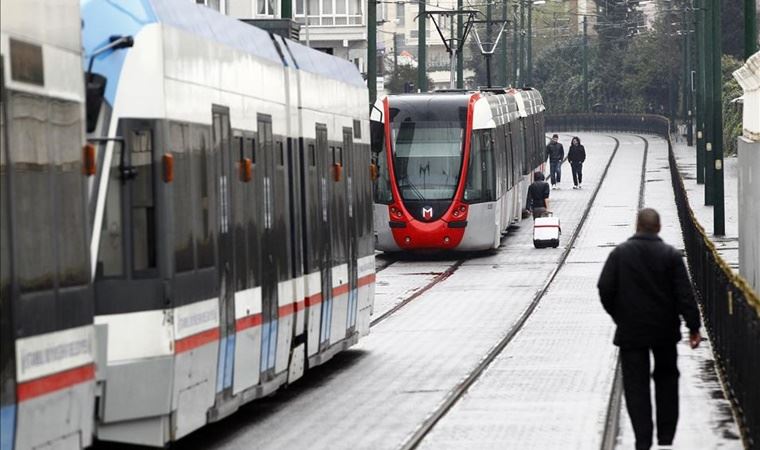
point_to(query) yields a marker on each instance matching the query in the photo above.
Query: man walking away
(575, 156)
(538, 195)
(644, 287)
(556, 154)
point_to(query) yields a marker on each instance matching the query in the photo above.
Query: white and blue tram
(47, 348)
(453, 166)
(212, 242)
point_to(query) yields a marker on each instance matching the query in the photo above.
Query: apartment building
(337, 27)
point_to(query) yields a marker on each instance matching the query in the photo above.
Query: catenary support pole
(709, 104)
(460, 55)
(585, 64)
(750, 28)
(689, 90)
(372, 50)
(529, 70)
(515, 41)
(422, 49)
(700, 79)
(719, 219)
(503, 77)
(521, 63)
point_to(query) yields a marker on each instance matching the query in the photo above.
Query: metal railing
(730, 308)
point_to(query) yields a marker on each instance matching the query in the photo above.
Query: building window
(216, 5)
(332, 12)
(266, 8)
(400, 13)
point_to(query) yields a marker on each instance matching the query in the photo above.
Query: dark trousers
(635, 365)
(556, 171)
(577, 168)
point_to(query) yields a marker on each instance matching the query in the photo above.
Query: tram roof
(100, 17)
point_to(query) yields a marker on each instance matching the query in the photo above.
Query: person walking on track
(575, 156)
(538, 195)
(645, 288)
(556, 154)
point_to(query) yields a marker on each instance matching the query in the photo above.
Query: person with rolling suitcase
(546, 229)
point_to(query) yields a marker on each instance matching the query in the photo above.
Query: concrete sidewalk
(728, 245)
(706, 420)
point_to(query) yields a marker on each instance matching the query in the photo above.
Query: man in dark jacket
(576, 156)
(644, 287)
(556, 154)
(538, 195)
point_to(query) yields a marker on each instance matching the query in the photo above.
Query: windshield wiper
(412, 187)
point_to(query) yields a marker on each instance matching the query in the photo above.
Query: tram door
(324, 244)
(351, 234)
(226, 269)
(269, 248)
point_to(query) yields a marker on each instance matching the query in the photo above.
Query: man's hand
(694, 339)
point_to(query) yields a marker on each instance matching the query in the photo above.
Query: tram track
(461, 388)
(612, 418)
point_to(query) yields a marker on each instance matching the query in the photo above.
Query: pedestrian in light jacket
(556, 154)
(644, 288)
(576, 156)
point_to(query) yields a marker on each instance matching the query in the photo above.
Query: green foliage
(732, 112)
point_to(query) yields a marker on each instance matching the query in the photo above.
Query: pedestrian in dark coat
(538, 195)
(645, 288)
(556, 154)
(576, 156)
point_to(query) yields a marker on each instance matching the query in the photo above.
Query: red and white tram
(453, 167)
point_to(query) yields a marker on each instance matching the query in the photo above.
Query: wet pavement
(549, 388)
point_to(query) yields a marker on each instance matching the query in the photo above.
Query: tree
(404, 77)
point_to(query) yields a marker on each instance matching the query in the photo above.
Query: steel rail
(459, 390)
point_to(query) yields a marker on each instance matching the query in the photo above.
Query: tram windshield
(427, 159)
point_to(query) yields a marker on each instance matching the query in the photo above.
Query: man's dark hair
(538, 176)
(648, 221)
(555, 136)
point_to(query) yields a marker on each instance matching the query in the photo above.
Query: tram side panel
(48, 351)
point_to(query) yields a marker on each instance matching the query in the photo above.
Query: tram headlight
(446, 240)
(407, 240)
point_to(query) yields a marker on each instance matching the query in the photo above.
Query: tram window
(332, 155)
(480, 178)
(35, 267)
(143, 212)
(203, 174)
(182, 189)
(312, 155)
(338, 155)
(280, 154)
(66, 133)
(382, 185)
(240, 145)
(111, 250)
(250, 149)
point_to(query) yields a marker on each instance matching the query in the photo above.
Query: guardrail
(730, 308)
